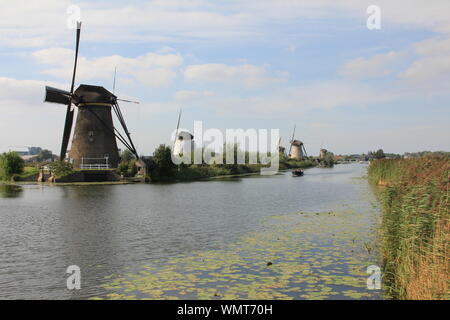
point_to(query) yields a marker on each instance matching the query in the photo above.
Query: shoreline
(169, 180)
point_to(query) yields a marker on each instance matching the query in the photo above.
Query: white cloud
(426, 75)
(43, 23)
(375, 66)
(293, 101)
(247, 75)
(150, 69)
(321, 125)
(188, 95)
(16, 96)
(26, 119)
(433, 46)
(431, 70)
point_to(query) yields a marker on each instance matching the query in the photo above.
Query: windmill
(94, 141)
(297, 149)
(281, 149)
(323, 153)
(182, 142)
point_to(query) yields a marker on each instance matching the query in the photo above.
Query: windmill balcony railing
(94, 163)
(94, 166)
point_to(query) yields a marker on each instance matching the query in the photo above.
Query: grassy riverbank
(160, 166)
(415, 227)
(198, 172)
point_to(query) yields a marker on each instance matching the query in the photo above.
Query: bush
(162, 162)
(127, 168)
(127, 156)
(328, 160)
(123, 167)
(60, 168)
(44, 155)
(296, 164)
(379, 154)
(10, 164)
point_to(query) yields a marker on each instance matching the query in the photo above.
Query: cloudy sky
(236, 64)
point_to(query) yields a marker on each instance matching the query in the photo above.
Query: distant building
(34, 150)
(33, 154)
(26, 151)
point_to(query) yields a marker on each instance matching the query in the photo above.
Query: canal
(258, 237)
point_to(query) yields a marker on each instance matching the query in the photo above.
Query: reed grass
(415, 227)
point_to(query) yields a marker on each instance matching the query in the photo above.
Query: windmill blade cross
(55, 95)
(69, 113)
(114, 89)
(130, 101)
(176, 132)
(292, 140)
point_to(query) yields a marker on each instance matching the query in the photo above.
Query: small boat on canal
(297, 173)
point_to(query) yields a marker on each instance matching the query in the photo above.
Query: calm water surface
(209, 239)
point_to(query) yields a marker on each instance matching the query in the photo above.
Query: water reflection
(114, 230)
(10, 191)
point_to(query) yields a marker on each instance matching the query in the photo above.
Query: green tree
(127, 156)
(232, 149)
(162, 160)
(127, 166)
(60, 168)
(10, 164)
(379, 154)
(44, 155)
(328, 160)
(123, 168)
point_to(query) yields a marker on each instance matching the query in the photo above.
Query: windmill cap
(186, 134)
(297, 143)
(93, 94)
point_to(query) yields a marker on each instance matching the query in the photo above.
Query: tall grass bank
(415, 227)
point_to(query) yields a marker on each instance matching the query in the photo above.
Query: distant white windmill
(183, 142)
(297, 149)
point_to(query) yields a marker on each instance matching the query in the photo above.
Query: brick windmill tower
(94, 143)
(297, 149)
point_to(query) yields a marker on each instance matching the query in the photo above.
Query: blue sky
(237, 64)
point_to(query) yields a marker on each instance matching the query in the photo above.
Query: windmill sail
(95, 138)
(54, 95)
(70, 112)
(114, 89)
(176, 132)
(292, 140)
